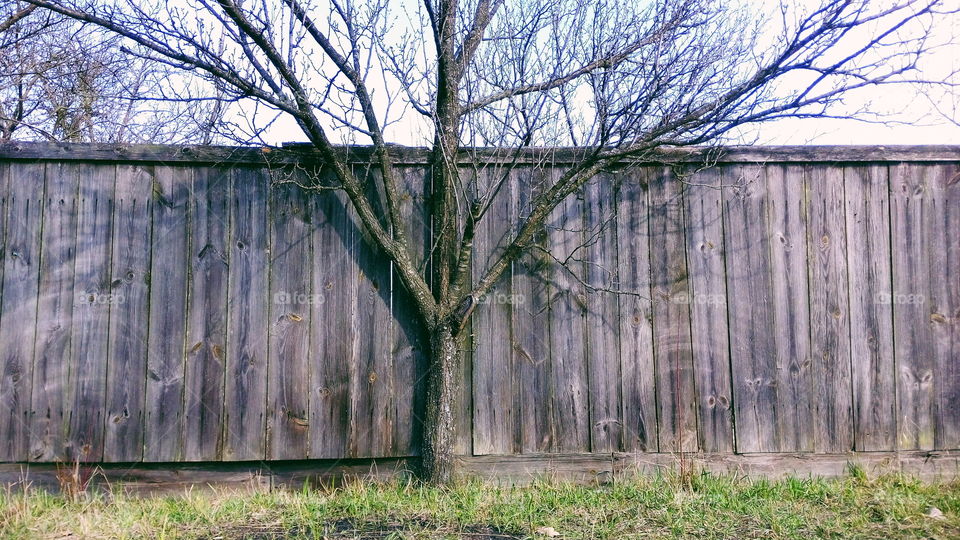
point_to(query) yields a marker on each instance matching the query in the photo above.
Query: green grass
(703, 506)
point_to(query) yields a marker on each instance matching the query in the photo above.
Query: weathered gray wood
(248, 318)
(18, 312)
(49, 410)
(93, 302)
(372, 385)
(334, 324)
(750, 309)
(203, 383)
(531, 329)
(948, 422)
(942, 196)
(676, 392)
(793, 379)
(410, 346)
(299, 152)
(163, 424)
(494, 374)
(638, 384)
(570, 405)
(130, 288)
(829, 311)
(603, 314)
(871, 307)
(708, 309)
(290, 291)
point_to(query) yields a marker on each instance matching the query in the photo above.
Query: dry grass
(701, 506)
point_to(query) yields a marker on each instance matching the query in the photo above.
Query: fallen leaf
(547, 531)
(935, 513)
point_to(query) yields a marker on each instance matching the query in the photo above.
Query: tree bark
(439, 427)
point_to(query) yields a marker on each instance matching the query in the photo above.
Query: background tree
(619, 80)
(61, 80)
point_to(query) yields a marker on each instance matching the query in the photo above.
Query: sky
(911, 115)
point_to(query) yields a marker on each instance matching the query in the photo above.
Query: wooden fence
(164, 304)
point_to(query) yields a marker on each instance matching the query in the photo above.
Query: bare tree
(617, 80)
(62, 80)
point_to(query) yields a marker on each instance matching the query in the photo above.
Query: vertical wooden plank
(373, 385)
(91, 313)
(206, 314)
(127, 350)
(708, 309)
(168, 311)
(946, 313)
(636, 314)
(48, 421)
(793, 378)
(567, 329)
(603, 315)
(926, 303)
(410, 346)
(493, 370)
(677, 411)
(531, 327)
(18, 311)
(871, 301)
(829, 311)
(290, 287)
(248, 318)
(333, 324)
(750, 309)
(913, 340)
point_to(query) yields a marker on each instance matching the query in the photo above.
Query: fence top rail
(300, 153)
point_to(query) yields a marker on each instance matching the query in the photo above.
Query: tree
(61, 80)
(616, 80)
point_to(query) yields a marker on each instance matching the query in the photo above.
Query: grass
(702, 506)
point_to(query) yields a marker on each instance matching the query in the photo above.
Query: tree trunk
(439, 428)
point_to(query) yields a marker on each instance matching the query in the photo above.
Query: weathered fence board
(52, 358)
(708, 309)
(871, 311)
(248, 318)
(211, 310)
(91, 313)
(163, 437)
(672, 345)
(127, 350)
